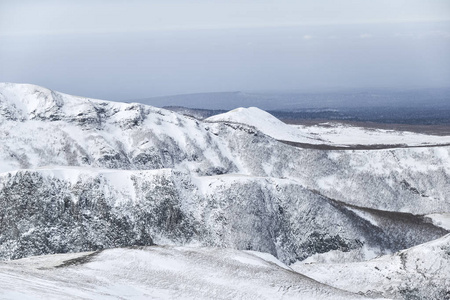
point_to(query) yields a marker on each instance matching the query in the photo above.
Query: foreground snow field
(159, 273)
(168, 272)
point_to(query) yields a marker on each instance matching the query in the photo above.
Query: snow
(230, 186)
(364, 215)
(47, 261)
(158, 273)
(163, 139)
(333, 134)
(336, 256)
(328, 182)
(264, 122)
(79, 133)
(421, 271)
(249, 260)
(118, 182)
(342, 134)
(441, 220)
(269, 258)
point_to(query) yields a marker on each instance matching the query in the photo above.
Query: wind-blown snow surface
(325, 134)
(346, 135)
(79, 174)
(421, 272)
(158, 273)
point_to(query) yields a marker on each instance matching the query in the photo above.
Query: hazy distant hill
(289, 101)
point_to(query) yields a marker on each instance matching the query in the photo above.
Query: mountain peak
(264, 122)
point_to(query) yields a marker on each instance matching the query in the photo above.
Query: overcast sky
(134, 49)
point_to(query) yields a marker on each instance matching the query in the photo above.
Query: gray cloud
(122, 50)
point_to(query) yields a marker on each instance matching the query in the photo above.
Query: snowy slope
(332, 134)
(421, 272)
(72, 209)
(266, 123)
(80, 174)
(41, 127)
(72, 131)
(158, 273)
(341, 134)
(441, 220)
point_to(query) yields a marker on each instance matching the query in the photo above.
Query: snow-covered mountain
(267, 124)
(330, 134)
(80, 174)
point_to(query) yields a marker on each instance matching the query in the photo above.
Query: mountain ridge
(80, 174)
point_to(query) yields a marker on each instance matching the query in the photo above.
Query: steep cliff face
(82, 174)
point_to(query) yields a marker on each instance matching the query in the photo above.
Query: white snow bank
(158, 273)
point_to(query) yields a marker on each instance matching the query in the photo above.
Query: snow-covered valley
(80, 174)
